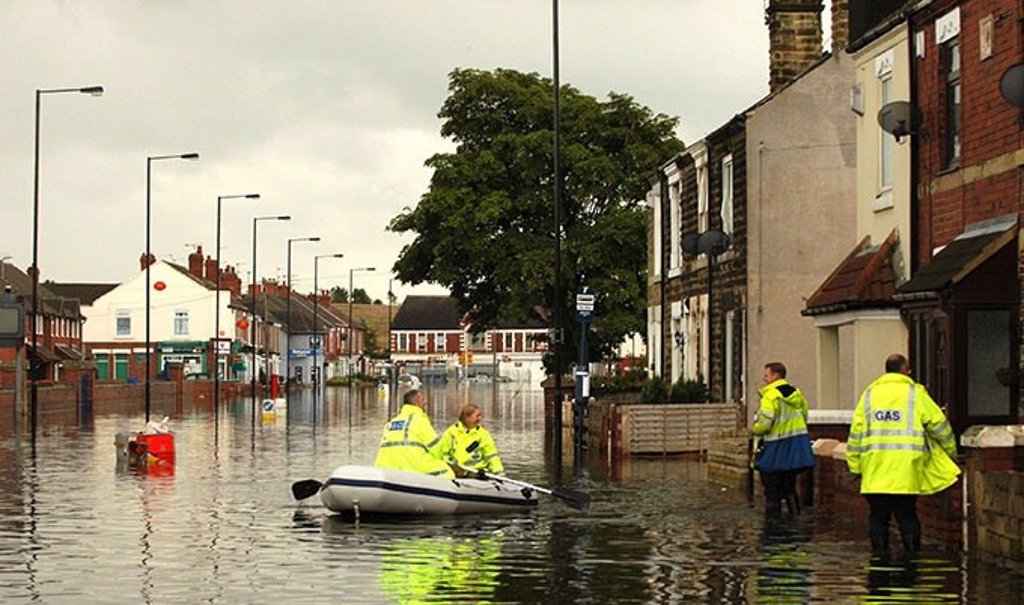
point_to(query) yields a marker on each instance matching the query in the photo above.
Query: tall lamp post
(252, 309)
(288, 322)
(37, 321)
(149, 258)
(315, 340)
(556, 316)
(351, 345)
(216, 312)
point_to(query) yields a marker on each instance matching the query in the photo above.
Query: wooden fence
(657, 429)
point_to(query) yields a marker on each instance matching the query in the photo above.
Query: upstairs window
(727, 194)
(950, 61)
(123, 325)
(181, 323)
(887, 140)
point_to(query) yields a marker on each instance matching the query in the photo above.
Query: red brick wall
(989, 124)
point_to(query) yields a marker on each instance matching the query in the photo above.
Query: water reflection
(223, 528)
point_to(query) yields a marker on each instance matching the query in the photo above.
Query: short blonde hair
(466, 410)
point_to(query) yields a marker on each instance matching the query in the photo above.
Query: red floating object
(158, 286)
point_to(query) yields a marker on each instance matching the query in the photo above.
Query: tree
(360, 297)
(485, 226)
(339, 294)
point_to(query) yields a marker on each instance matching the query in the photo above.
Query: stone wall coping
(839, 452)
(982, 436)
(830, 417)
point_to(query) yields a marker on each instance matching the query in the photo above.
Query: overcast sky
(326, 108)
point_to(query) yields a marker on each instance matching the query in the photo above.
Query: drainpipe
(663, 195)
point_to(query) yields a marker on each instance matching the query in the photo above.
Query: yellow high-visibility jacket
(411, 444)
(781, 422)
(471, 448)
(894, 435)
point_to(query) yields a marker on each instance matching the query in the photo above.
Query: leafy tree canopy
(485, 228)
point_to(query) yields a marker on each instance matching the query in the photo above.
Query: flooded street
(224, 528)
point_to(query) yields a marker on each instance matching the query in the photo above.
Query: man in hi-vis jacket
(781, 423)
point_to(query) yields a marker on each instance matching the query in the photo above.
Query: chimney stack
(142, 261)
(230, 280)
(794, 30)
(840, 25)
(195, 262)
(211, 270)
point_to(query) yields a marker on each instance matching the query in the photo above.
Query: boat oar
(305, 488)
(573, 498)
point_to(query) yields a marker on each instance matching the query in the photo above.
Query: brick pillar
(794, 30)
(840, 25)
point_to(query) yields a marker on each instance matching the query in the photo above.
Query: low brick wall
(995, 494)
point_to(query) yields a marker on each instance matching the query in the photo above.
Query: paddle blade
(573, 498)
(305, 488)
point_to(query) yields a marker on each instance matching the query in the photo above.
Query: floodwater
(75, 527)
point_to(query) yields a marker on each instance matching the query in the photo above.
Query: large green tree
(485, 228)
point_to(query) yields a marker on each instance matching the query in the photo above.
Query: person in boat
(781, 423)
(410, 442)
(466, 444)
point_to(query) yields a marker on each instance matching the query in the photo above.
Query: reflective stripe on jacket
(457, 446)
(781, 422)
(410, 444)
(894, 425)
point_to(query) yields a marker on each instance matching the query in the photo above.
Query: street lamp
(252, 309)
(149, 256)
(316, 308)
(556, 315)
(216, 312)
(350, 343)
(288, 321)
(37, 322)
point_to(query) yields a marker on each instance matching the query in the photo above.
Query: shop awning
(962, 256)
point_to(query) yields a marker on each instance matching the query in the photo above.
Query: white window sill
(883, 201)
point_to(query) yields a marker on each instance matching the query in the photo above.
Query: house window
(675, 225)
(403, 342)
(528, 341)
(181, 323)
(988, 362)
(421, 339)
(124, 323)
(509, 343)
(477, 341)
(702, 197)
(885, 150)
(655, 202)
(727, 194)
(439, 342)
(950, 61)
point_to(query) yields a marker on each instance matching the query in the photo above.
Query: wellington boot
(912, 543)
(773, 508)
(793, 504)
(879, 547)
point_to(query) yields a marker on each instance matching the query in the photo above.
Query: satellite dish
(1011, 85)
(690, 244)
(899, 119)
(713, 241)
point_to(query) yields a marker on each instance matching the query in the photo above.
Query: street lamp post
(216, 312)
(149, 258)
(556, 315)
(351, 345)
(288, 323)
(37, 321)
(316, 308)
(252, 309)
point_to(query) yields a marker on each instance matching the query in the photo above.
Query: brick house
(699, 192)
(962, 303)
(58, 334)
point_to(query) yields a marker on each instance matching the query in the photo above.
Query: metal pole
(288, 338)
(316, 340)
(351, 344)
(557, 311)
(34, 361)
(252, 337)
(216, 330)
(149, 163)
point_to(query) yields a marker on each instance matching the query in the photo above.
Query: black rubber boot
(880, 547)
(773, 508)
(793, 504)
(912, 543)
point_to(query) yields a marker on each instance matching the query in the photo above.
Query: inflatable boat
(373, 490)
